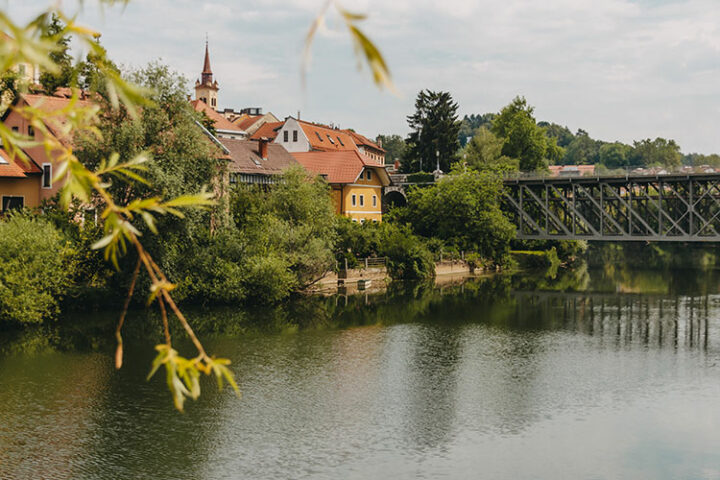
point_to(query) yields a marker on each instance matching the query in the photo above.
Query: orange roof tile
(268, 130)
(15, 168)
(363, 140)
(220, 122)
(50, 104)
(247, 121)
(343, 166)
(325, 138)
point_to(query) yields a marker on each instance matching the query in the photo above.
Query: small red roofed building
(301, 136)
(252, 123)
(357, 183)
(40, 157)
(224, 128)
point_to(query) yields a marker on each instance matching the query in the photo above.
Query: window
(374, 200)
(46, 175)
(354, 200)
(21, 70)
(362, 220)
(233, 178)
(368, 175)
(286, 137)
(318, 135)
(31, 131)
(362, 200)
(214, 102)
(12, 203)
(15, 129)
(331, 140)
(341, 142)
(295, 136)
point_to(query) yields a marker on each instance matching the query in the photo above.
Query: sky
(620, 69)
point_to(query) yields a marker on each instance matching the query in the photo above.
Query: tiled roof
(363, 140)
(246, 159)
(247, 121)
(327, 139)
(268, 130)
(16, 168)
(338, 167)
(220, 122)
(50, 104)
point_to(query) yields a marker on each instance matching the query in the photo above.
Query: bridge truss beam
(659, 208)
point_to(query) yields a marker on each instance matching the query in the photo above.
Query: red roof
(363, 140)
(220, 122)
(16, 168)
(50, 104)
(325, 138)
(268, 130)
(338, 167)
(247, 121)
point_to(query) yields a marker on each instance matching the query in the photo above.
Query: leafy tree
(463, 210)
(615, 155)
(562, 135)
(583, 150)
(698, 159)
(394, 146)
(657, 152)
(523, 138)
(92, 72)
(470, 124)
(484, 152)
(56, 31)
(434, 136)
(36, 269)
(408, 257)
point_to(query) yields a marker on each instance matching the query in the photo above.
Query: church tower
(206, 89)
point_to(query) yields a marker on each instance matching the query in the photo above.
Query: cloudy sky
(620, 69)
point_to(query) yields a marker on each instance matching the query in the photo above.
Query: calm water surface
(590, 375)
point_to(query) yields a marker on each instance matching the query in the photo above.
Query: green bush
(36, 269)
(421, 177)
(408, 256)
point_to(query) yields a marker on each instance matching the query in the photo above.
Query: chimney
(263, 148)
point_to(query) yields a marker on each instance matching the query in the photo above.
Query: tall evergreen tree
(56, 31)
(434, 136)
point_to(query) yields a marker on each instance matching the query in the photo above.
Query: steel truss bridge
(673, 207)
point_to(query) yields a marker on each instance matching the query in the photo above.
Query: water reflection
(492, 375)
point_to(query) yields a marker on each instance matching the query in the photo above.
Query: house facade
(21, 183)
(43, 162)
(356, 182)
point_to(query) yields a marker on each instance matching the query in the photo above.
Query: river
(589, 374)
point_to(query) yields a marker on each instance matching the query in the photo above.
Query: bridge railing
(570, 172)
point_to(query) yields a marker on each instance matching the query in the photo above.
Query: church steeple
(206, 88)
(207, 71)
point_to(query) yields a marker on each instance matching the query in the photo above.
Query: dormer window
(341, 142)
(331, 140)
(318, 135)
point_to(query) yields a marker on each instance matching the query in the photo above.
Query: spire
(206, 66)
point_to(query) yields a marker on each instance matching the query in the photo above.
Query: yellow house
(357, 182)
(20, 183)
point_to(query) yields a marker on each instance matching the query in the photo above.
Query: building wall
(367, 188)
(291, 125)
(28, 188)
(337, 195)
(37, 153)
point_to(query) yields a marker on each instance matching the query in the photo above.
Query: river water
(600, 374)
